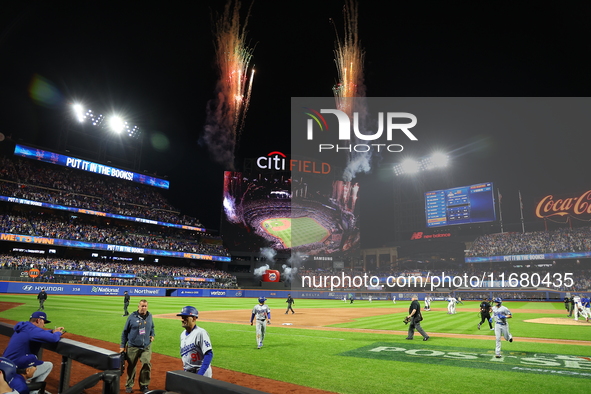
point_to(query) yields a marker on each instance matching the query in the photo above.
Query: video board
(314, 216)
(460, 205)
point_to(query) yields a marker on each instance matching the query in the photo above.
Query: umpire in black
(126, 299)
(485, 309)
(415, 316)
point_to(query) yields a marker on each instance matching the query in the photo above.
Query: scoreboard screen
(460, 205)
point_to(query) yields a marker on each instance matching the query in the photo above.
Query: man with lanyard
(136, 341)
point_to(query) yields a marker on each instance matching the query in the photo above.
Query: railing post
(65, 371)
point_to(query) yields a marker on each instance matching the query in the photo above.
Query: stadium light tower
(118, 137)
(411, 166)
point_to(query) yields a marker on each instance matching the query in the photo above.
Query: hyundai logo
(27, 288)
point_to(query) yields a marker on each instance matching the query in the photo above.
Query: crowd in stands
(37, 181)
(558, 241)
(82, 228)
(145, 274)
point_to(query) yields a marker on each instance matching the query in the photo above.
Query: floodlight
(79, 112)
(116, 124)
(410, 166)
(439, 159)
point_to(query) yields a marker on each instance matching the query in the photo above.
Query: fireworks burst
(226, 113)
(350, 86)
(349, 61)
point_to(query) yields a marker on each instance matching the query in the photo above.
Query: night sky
(155, 63)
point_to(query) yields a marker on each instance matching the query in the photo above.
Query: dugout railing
(101, 359)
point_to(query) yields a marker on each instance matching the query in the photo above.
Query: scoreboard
(460, 205)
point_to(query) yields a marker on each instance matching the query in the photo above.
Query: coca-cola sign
(572, 206)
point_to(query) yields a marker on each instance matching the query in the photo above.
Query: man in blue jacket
(27, 339)
(25, 369)
(136, 341)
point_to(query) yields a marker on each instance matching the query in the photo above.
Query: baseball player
(485, 310)
(262, 313)
(196, 350)
(451, 305)
(393, 299)
(428, 300)
(577, 306)
(501, 314)
(7, 374)
(369, 299)
(586, 302)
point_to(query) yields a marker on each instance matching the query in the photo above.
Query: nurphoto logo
(318, 121)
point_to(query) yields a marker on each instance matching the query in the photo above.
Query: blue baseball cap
(26, 361)
(40, 315)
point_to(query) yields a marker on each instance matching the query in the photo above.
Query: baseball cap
(40, 315)
(26, 361)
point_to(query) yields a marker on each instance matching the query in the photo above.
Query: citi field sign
(277, 161)
(391, 124)
(571, 206)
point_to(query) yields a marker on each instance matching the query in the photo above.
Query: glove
(406, 320)
(490, 319)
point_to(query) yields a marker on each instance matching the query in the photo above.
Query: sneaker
(479, 326)
(498, 356)
(128, 390)
(426, 338)
(492, 329)
(144, 389)
(261, 344)
(511, 339)
(410, 339)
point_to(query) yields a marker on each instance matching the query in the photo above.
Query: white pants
(501, 330)
(261, 328)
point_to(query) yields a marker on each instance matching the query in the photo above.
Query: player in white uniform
(451, 305)
(501, 314)
(393, 298)
(578, 306)
(196, 350)
(262, 313)
(370, 299)
(427, 303)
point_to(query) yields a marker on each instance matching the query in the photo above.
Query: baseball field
(357, 348)
(295, 232)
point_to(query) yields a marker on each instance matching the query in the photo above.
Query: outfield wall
(34, 288)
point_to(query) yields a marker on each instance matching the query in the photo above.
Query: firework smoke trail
(226, 113)
(350, 86)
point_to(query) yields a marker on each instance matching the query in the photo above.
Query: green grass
(302, 231)
(313, 357)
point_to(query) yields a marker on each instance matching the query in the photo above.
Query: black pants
(415, 324)
(289, 308)
(485, 316)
